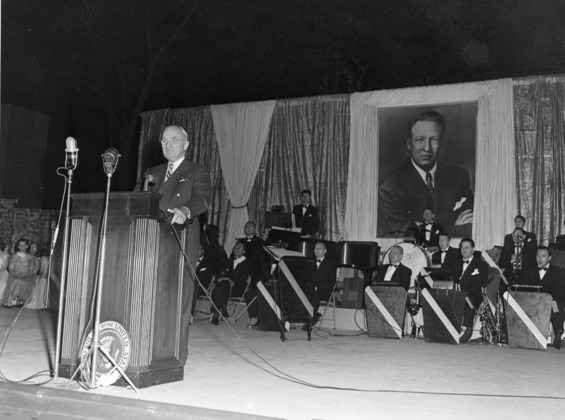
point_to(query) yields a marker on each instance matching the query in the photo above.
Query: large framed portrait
(427, 158)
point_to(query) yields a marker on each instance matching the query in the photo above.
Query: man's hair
(520, 229)
(178, 127)
(428, 208)
(545, 248)
(445, 234)
(467, 240)
(398, 247)
(306, 192)
(251, 223)
(520, 217)
(432, 116)
(321, 243)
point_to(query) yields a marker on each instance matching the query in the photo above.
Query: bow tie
(542, 268)
(394, 265)
(466, 261)
(318, 261)
(428, 223)
(443, 251)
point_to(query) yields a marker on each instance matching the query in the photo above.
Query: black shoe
(466, 335)
(216, 319)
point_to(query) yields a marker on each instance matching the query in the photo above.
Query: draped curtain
(241, 132)
(539, 114)
(203, 149)
(307, 147)
(495, 193)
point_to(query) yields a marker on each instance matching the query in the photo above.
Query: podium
(143, 279)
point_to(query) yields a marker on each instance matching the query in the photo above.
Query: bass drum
(415, 258)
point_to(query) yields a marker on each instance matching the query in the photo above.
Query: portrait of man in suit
(427, 168)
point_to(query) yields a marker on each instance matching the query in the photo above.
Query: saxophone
(489, 324)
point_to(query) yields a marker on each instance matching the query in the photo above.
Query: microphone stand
(109, 168)
(69, 177)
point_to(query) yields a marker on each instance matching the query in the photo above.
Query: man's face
(174, 144)
(542, 257)
(305, 199)
(466, 250)
(425, 143)
(238, 250)
(319, 251)
(395, 255)
(249, 229)
(428, 215)
(517, 236)
(443, 241)
(22, 246)
(519, 223)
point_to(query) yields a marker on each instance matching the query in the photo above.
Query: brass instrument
(490, 324)
(517, 257)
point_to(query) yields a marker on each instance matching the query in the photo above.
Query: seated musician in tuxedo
(517, 254)
(471, 276)
(254, 253)
(211, 261)
(231, 282)
(428, 232)
(395, 271)
(552, 281)
(306, 215)
(446, 257)
(520, 222)
(324, 279)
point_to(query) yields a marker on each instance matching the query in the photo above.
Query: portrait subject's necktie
(430, 181)
(169, 171)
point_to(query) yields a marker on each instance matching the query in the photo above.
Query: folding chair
(330, 303)
(207, 295)
(236, 301)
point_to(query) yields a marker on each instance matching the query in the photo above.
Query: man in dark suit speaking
(185, 193)
(423, 182)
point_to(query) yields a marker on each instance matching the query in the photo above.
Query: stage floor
(380, 378)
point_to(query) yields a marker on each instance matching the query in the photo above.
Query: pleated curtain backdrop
(241, 132)
(307, 147)
(539, 113)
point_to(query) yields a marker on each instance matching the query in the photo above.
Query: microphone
(110, 159)
(149, 179)
(71, 160)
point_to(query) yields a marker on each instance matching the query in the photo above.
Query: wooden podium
(142, 284)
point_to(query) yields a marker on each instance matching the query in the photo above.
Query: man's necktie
(430, 181)
(169, 171)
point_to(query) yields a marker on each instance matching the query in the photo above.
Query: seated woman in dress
(23, 269)
(4, 261)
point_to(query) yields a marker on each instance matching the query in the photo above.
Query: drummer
(428, 232)
(395, 271)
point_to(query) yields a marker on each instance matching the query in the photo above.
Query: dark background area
(93, 66)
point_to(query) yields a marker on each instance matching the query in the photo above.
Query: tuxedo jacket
(325, 278)
(473, 279)
(420, 235)
(553, 281)
(528, 252)
(309, 221)
(238, 275)
(452, 261)
(254, 252)
(404, 196)
(402, 275)
(213, 261)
